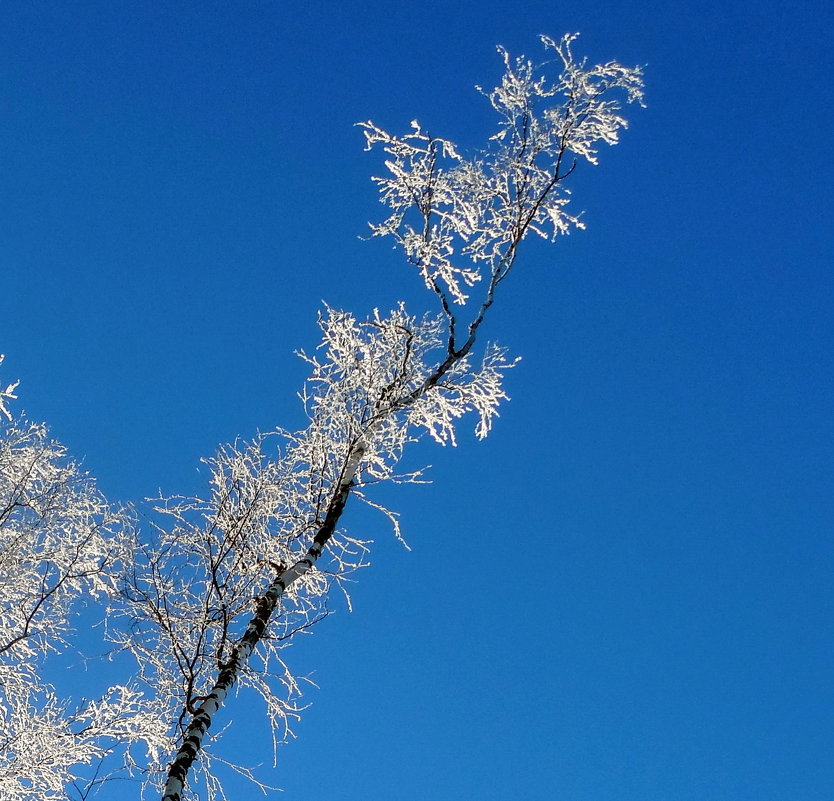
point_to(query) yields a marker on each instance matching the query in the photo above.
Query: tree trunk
(228, 675)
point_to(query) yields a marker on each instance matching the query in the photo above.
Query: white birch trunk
(228, 675)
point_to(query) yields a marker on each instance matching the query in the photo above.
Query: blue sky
(625, 592)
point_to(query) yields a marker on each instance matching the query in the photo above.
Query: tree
(60, 543)
(180, 593)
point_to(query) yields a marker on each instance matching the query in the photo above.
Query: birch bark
(228, 675)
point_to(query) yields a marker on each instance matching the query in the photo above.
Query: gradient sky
(625, 593)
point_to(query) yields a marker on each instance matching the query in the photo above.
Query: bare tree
(212, 593)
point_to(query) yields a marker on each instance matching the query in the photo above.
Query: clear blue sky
(625, 593)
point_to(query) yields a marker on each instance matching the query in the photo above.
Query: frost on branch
(419, 181)
(458, 218)
(380, 381)
(45, 742)
(374, 385)
(59, 542)
(461, 391)
(7, 394)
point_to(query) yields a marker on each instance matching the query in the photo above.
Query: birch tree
(207, 597)
(60, 544)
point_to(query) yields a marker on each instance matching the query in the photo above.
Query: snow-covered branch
(460, 220)
(60, 545)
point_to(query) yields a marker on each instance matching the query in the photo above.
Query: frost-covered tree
(60, 544)
(205, 599)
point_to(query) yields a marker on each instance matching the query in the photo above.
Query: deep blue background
(625, 592)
